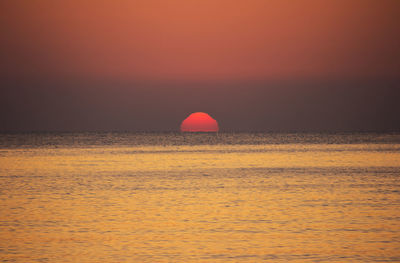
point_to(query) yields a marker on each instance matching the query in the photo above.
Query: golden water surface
(297, 202)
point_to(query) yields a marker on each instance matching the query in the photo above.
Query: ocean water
(172, 197)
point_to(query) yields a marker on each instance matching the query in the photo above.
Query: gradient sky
(252, 65)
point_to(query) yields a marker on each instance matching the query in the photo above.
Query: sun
(199, 122)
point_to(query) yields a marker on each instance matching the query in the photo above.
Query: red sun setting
(199, 122)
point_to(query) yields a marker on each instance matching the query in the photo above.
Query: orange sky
(202, 40)
(283, 65)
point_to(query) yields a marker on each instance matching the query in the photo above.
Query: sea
(199, 197)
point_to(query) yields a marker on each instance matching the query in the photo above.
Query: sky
(253, 65)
